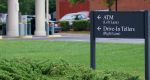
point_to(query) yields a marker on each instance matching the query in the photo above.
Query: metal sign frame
(146, 36)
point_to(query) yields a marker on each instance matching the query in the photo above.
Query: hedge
(27, 69)
(64, 25)
(81, 25)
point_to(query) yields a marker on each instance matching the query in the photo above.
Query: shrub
(81, 25)
(113, 75)
(26, 69)
(64, 25)
(55, 68)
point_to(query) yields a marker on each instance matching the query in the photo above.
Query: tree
(76, 1)
(109, 3)
(26, 6)
(52, 6)
(3, 6)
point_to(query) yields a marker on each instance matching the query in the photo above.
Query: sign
(121, 25)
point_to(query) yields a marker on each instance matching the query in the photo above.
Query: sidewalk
(79, 37)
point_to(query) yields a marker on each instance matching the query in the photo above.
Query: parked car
(73, 16)
(86, 13)
(57, 27)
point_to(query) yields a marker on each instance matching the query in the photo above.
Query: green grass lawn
(128, 58)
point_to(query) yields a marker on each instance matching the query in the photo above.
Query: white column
(47, 17)
(40, 18)
(12, 24)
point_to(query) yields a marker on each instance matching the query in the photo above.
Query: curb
(53, 36)
(1, 37)
(25, 37)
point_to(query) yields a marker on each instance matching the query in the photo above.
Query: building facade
(63, 6)
(12, 29)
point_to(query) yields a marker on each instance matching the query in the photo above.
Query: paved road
(86, 37)
(83, 37)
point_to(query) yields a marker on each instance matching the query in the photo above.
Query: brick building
(63, 6)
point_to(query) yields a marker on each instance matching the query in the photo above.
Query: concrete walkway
(80, 37)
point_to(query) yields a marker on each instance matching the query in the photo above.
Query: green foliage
(20, 69)
(113, 75)
(55, 68)
(3, 6)
(64, 25)
(27, 6)
(81, 25)
(26, 69)
(76, 1)
(109, 3)
(52, 6)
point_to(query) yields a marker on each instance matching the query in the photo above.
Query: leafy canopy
(27, 6)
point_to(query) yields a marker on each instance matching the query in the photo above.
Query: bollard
(21, 29)
(52, 30)
(1, 37)
(29, 29)
(47, 29)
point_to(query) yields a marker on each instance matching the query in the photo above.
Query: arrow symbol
(99, 28)
(99, 17)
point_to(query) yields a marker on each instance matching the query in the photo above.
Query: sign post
(135, 25)
(147, 46)
(92, 44)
